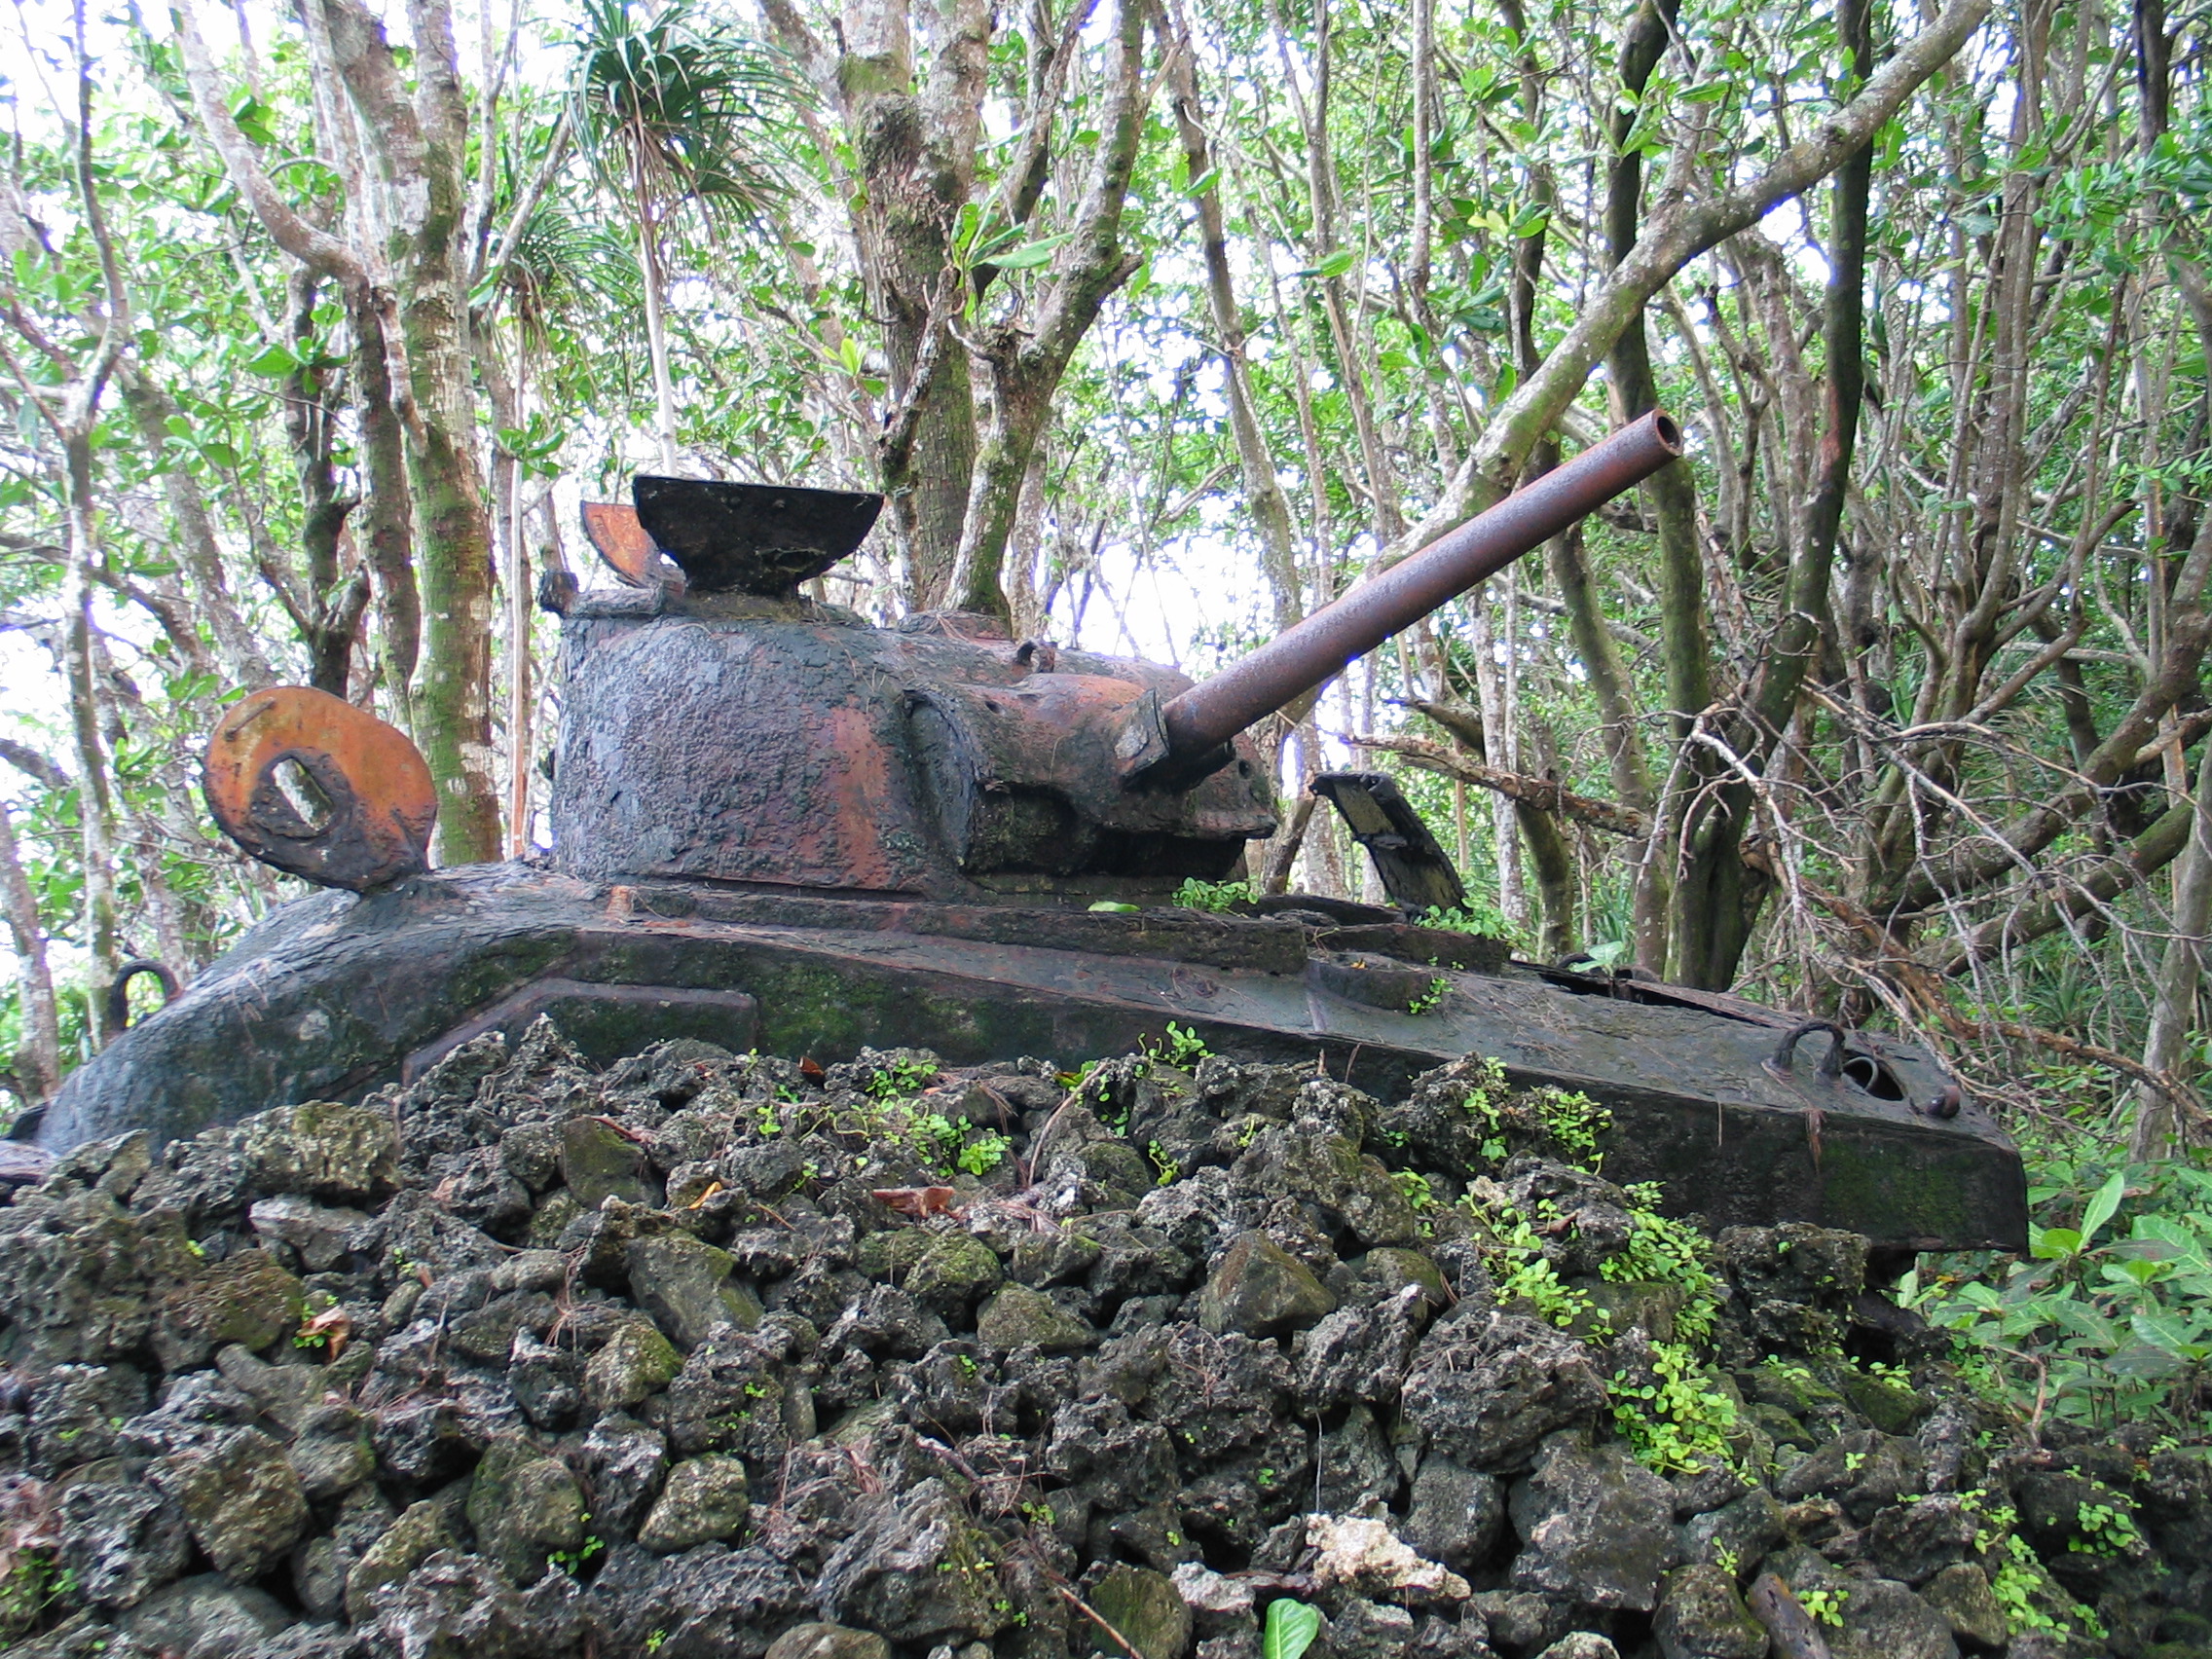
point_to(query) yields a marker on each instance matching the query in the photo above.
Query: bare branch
(293, 233)
(1539, 792)
(35, 765)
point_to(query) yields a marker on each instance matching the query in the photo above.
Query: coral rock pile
(711, 1356)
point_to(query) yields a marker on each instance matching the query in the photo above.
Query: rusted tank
(776, 826)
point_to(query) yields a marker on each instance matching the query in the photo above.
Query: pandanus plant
(671, 107)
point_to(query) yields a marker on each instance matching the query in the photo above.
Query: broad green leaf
(1335, 266)
(2146, 1360)
(2056, 1243)
(1029, 255)
(2165, 1331)
(1291, 1629)
(2136, 1272)
(2103, 1207)
(276, 363)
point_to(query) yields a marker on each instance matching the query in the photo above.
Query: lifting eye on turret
(316, 788)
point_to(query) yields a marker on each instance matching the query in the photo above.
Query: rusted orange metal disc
(621, 542)
(319, 789)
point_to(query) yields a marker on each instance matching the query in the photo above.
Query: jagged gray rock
(917, 1570)
(793, 1401)
(240, 1499)
(705, 1498)
(1597, 1527)
(120, 1540)
(1486, 1388)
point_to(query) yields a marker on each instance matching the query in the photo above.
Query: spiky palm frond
(674, 104)
(564, 269)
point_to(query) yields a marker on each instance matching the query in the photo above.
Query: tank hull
(336, 995)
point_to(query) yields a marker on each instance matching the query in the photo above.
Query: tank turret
(719, 727)
(776, 826)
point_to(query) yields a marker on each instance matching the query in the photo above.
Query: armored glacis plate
(758, 538)
(319, 789)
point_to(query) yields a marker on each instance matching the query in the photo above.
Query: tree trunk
(656, 282)
(1505, 825)
(333, 612)
(1718, 897)
(95, 801)
(2173, 1015)
(1264, 497)
(387, 514)
(38, 1061)
(915, 149)
(1025, 358)
(202, 555)
(421, 149)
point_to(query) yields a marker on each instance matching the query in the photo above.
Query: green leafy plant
(571, 1561)
(984, 1153)
(1669, 1414)
(2025, 1589)
(1290, 1628)
(900, 1079)
(1824, 1605)
(1515, 1256)
(1161, 1162)
(1675, 1422)
(1663, 1251)
(315, 1330)
(2106, 1530)
(1185, 1047)
(1563, 1123)
(936, 1136)
(2109, 1316)
(2015, 1585)
(1415, 1185)
(1215, 897)
(1430, 1000)
(1476, 916)
(31, 1581)
(1573, 1121)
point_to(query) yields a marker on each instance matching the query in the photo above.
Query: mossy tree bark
(403, 273)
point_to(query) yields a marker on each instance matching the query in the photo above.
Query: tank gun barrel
(1195, 724)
